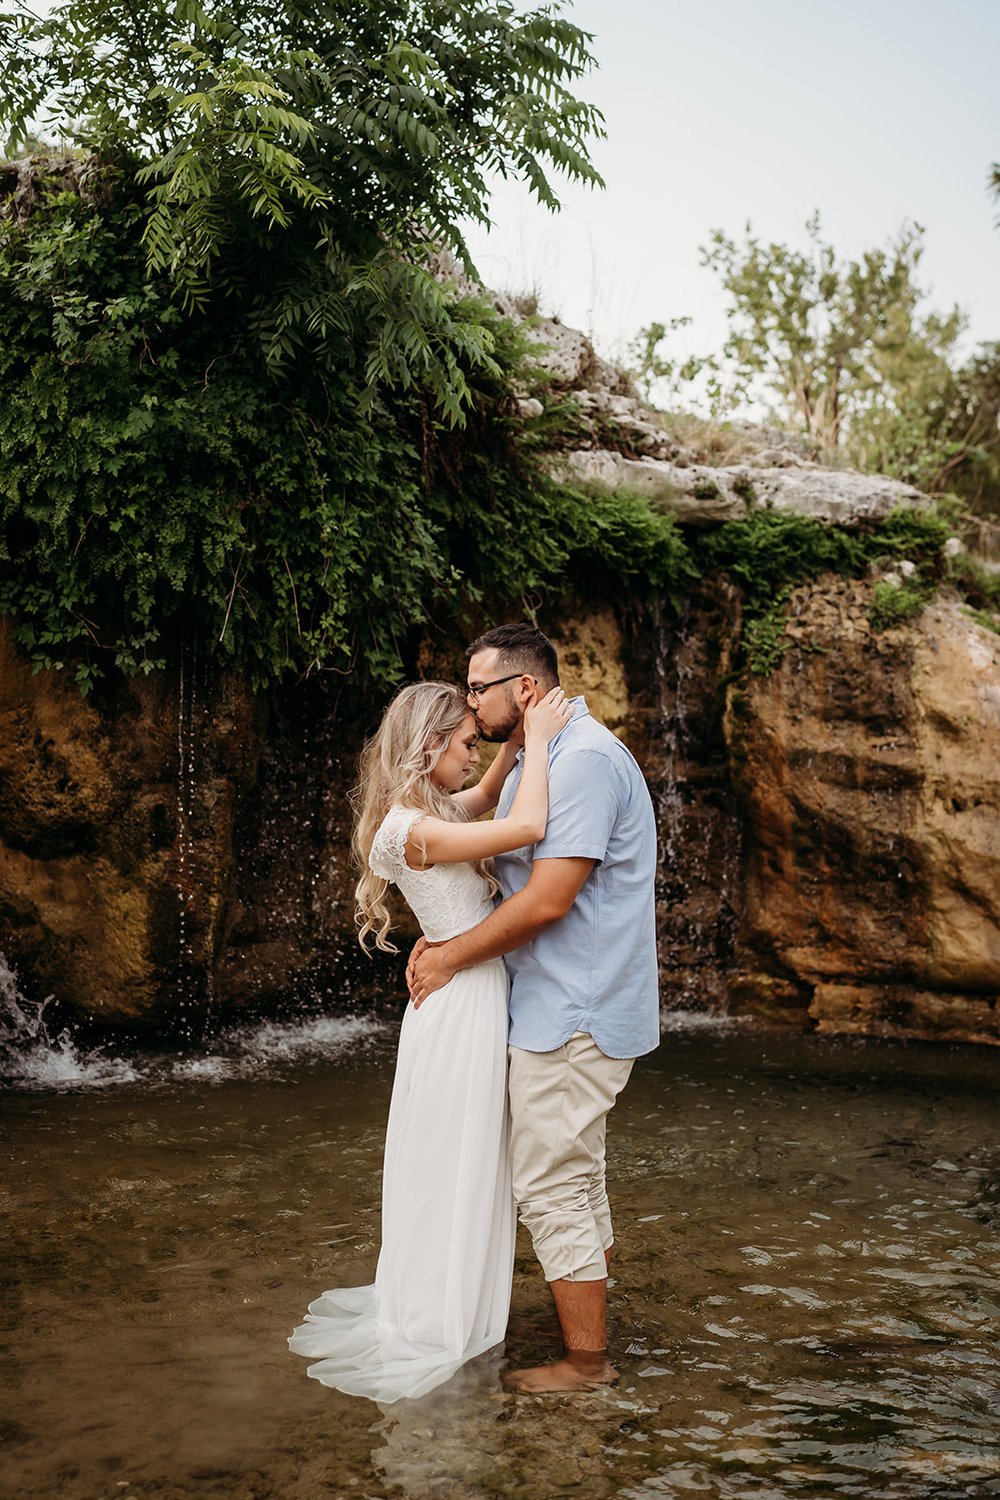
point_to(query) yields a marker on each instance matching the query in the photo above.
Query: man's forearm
(513, 924)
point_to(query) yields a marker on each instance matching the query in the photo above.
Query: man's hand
(432, 969)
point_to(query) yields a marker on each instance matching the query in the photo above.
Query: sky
(720, 112)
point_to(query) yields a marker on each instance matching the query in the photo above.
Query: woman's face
(458, 757)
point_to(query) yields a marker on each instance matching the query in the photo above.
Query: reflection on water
(806, 1284)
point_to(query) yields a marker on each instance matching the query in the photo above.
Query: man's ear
(528, 691)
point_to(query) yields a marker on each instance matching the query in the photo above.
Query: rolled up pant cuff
(559, 1106)
(596, 1271)
(568, 1245)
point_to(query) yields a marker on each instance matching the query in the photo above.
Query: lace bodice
(446, 899)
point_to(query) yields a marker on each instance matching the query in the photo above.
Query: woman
(442, 1287)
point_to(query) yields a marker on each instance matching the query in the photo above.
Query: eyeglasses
(477, 689)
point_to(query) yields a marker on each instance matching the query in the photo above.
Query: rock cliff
(868, 769)
(829, 835)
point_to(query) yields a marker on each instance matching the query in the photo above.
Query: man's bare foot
(578, 1370)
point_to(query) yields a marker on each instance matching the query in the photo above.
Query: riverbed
(805, 1295)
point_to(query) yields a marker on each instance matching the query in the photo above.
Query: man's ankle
(587, 1361)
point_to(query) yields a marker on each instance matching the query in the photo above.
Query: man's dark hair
(521, 648)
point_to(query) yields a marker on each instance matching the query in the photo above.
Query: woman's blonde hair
(395, 770)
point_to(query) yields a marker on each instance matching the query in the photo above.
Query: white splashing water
(32, 1058)
(252, 1051)
(681, 1021)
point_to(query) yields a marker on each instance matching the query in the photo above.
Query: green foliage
(772, 552)
(892, 603)
(158, 479)
(968, 431)
(764, 641)
(986, 618)
(230, 380)
(843, 347)
(848, 354)
(977, 580)
(771, 548)
(155, 477)
(307, 159)
(651, 365)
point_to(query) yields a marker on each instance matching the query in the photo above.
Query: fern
(257, 136)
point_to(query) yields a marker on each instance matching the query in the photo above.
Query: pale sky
(720, 111)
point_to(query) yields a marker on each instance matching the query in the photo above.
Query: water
(33, 1055)
(688, 767)
(806, 1284)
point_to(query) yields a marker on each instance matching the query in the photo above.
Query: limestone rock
(592, 662)
(869, 767)
(829, 848)
(700, 495)
(30, 180)
(565, 354)
(115, 834)
(632, 425)
(902, 1011)
(781, 458)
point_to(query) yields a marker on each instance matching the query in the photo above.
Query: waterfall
(696, 820)
(185, 841)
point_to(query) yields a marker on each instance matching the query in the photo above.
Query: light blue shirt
(595, 970)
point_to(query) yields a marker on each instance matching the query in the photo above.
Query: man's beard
(499, 733)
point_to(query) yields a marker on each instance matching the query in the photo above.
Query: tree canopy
(231, 365)
(310, 157)
(846, 346)
(849, 354)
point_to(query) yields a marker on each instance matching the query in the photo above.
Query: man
(577, 929)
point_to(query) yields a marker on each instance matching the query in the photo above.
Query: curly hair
(394, 769)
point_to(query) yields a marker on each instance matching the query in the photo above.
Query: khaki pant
(559, 1103)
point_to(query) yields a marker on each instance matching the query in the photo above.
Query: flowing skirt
(441, 1293)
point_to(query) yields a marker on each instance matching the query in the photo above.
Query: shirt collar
(580, 711)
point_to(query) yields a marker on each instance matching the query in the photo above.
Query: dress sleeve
(585, 801)
(388, 851)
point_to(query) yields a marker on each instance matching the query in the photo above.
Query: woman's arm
(433, 841)
(484, 796)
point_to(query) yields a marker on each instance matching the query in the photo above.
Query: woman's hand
(411, 964)
(543, 720)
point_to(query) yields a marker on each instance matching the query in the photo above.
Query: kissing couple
(525, 1016)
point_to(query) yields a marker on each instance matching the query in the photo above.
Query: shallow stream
(806, 1294)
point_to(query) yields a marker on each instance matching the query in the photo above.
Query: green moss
(772, 552)
(985, 618)
(764, 639)
(893, 603)
(976, 581)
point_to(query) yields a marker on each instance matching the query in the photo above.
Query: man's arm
(552, 887)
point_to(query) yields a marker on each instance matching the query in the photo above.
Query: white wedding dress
(441, 1293)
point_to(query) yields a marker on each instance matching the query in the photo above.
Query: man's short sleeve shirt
(595, 970)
